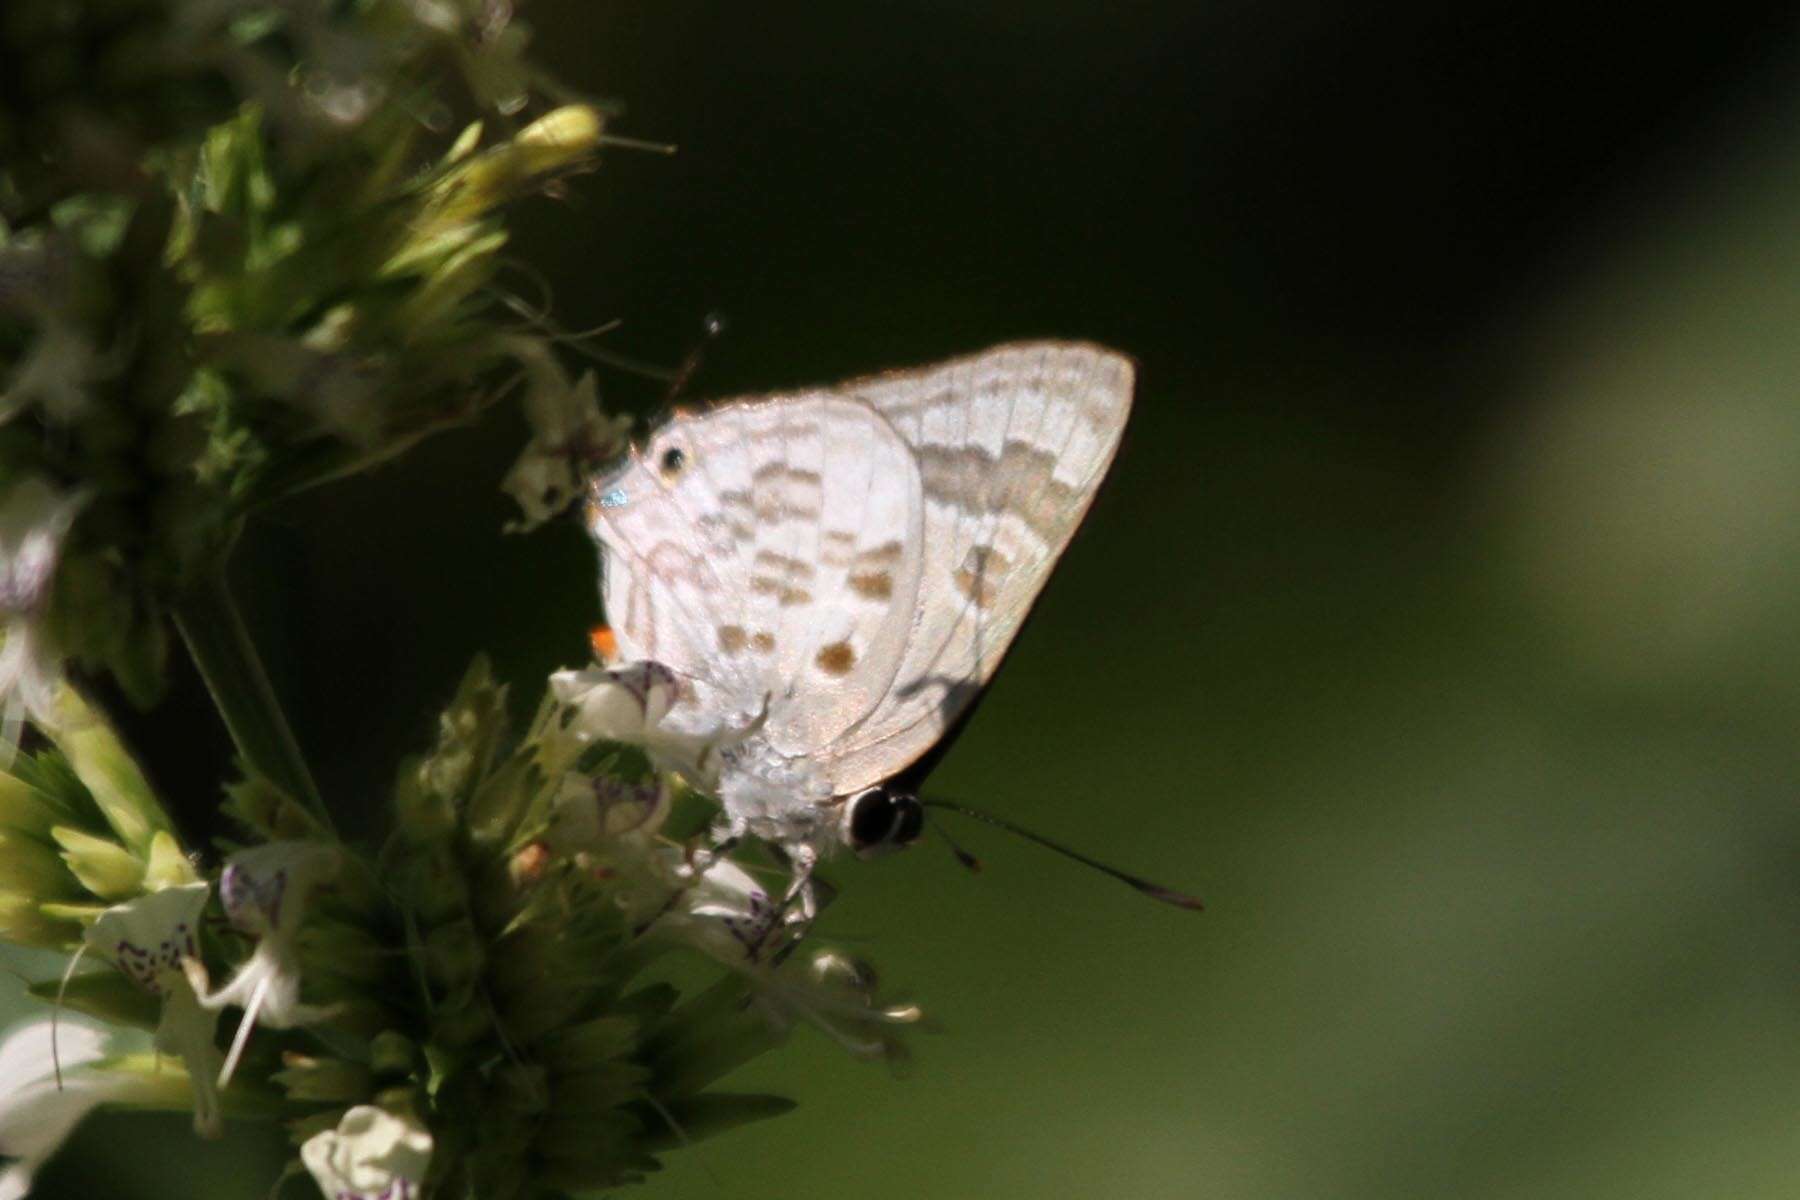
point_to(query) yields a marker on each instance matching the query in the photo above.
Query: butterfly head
(881, 819)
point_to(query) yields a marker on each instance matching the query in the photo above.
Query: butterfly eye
(909, 820)
(877, 821)
(673, 460)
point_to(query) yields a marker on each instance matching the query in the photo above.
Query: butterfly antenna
(711, 326)
(1153, 890)
(962, 856)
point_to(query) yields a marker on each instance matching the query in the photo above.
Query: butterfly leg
(800, 904)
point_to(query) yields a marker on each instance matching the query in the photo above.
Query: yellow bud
(107, 770)
(168, 867)
(33, 869)
(571, 130)
(106, 869)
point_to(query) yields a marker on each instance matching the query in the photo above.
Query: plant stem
(221, 647)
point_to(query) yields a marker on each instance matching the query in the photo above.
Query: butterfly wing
(769, 548)
(1011, 445)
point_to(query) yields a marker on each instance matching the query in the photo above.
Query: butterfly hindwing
(771, 549)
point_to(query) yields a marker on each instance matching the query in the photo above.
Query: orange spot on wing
(606, 646)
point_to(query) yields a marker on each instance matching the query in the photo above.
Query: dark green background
(1439, 624)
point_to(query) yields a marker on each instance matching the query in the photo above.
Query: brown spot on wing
(836, 659)
(771, 510)
(782, 473)
(982, 574)
(887, 552)
(762, 641)
(795, 569)
(1019, 480)
(732, 638)
(786, 595)
(872, 585)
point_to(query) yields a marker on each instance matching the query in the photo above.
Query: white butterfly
(818, 583)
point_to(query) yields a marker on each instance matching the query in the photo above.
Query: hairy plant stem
(221, 647)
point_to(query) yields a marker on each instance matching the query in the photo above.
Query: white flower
(34, 519)
(265, 890)
(646, 704)
(622, 704)
(727, 914)
(371, 1155)
(570, 437)
(37, 1110)
(154, 940)
(592, 812)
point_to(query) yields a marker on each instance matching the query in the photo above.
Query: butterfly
(826, 579)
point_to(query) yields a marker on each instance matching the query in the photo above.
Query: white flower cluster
(153, 941)
(34, 519)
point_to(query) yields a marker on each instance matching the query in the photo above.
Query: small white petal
(727, 914)
(371, 1155)
(154, 940)
(36, 1115)
(148, 938)
(265, 889)
(674, 718)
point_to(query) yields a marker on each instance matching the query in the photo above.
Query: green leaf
(696, 1118)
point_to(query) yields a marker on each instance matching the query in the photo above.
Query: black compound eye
(673, 459)
(871, 818)
(909, 820)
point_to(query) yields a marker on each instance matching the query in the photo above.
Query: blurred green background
(1439, 625)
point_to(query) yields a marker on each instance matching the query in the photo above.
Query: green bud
(460, 1022)
(590, 1045)
(105, 868)
(695, 1118)
(454, 955)
(25, 809)
(596, 1092)
(267, 810)
(161, 1084)
(520, 1089)
(450, 283)
(23, 922)
(108, 995)
(469, 734)
(423, 814)
(302, 1128)
(82, 915)
(392, 1054)
(31, 868)
(503, 799)
(334, 1080)
(168, 866)
(465, 143)
(107, 770)
(333, 948)
(588, 1154)
(562, 138)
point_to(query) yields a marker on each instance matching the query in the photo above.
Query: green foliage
(237, 260)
